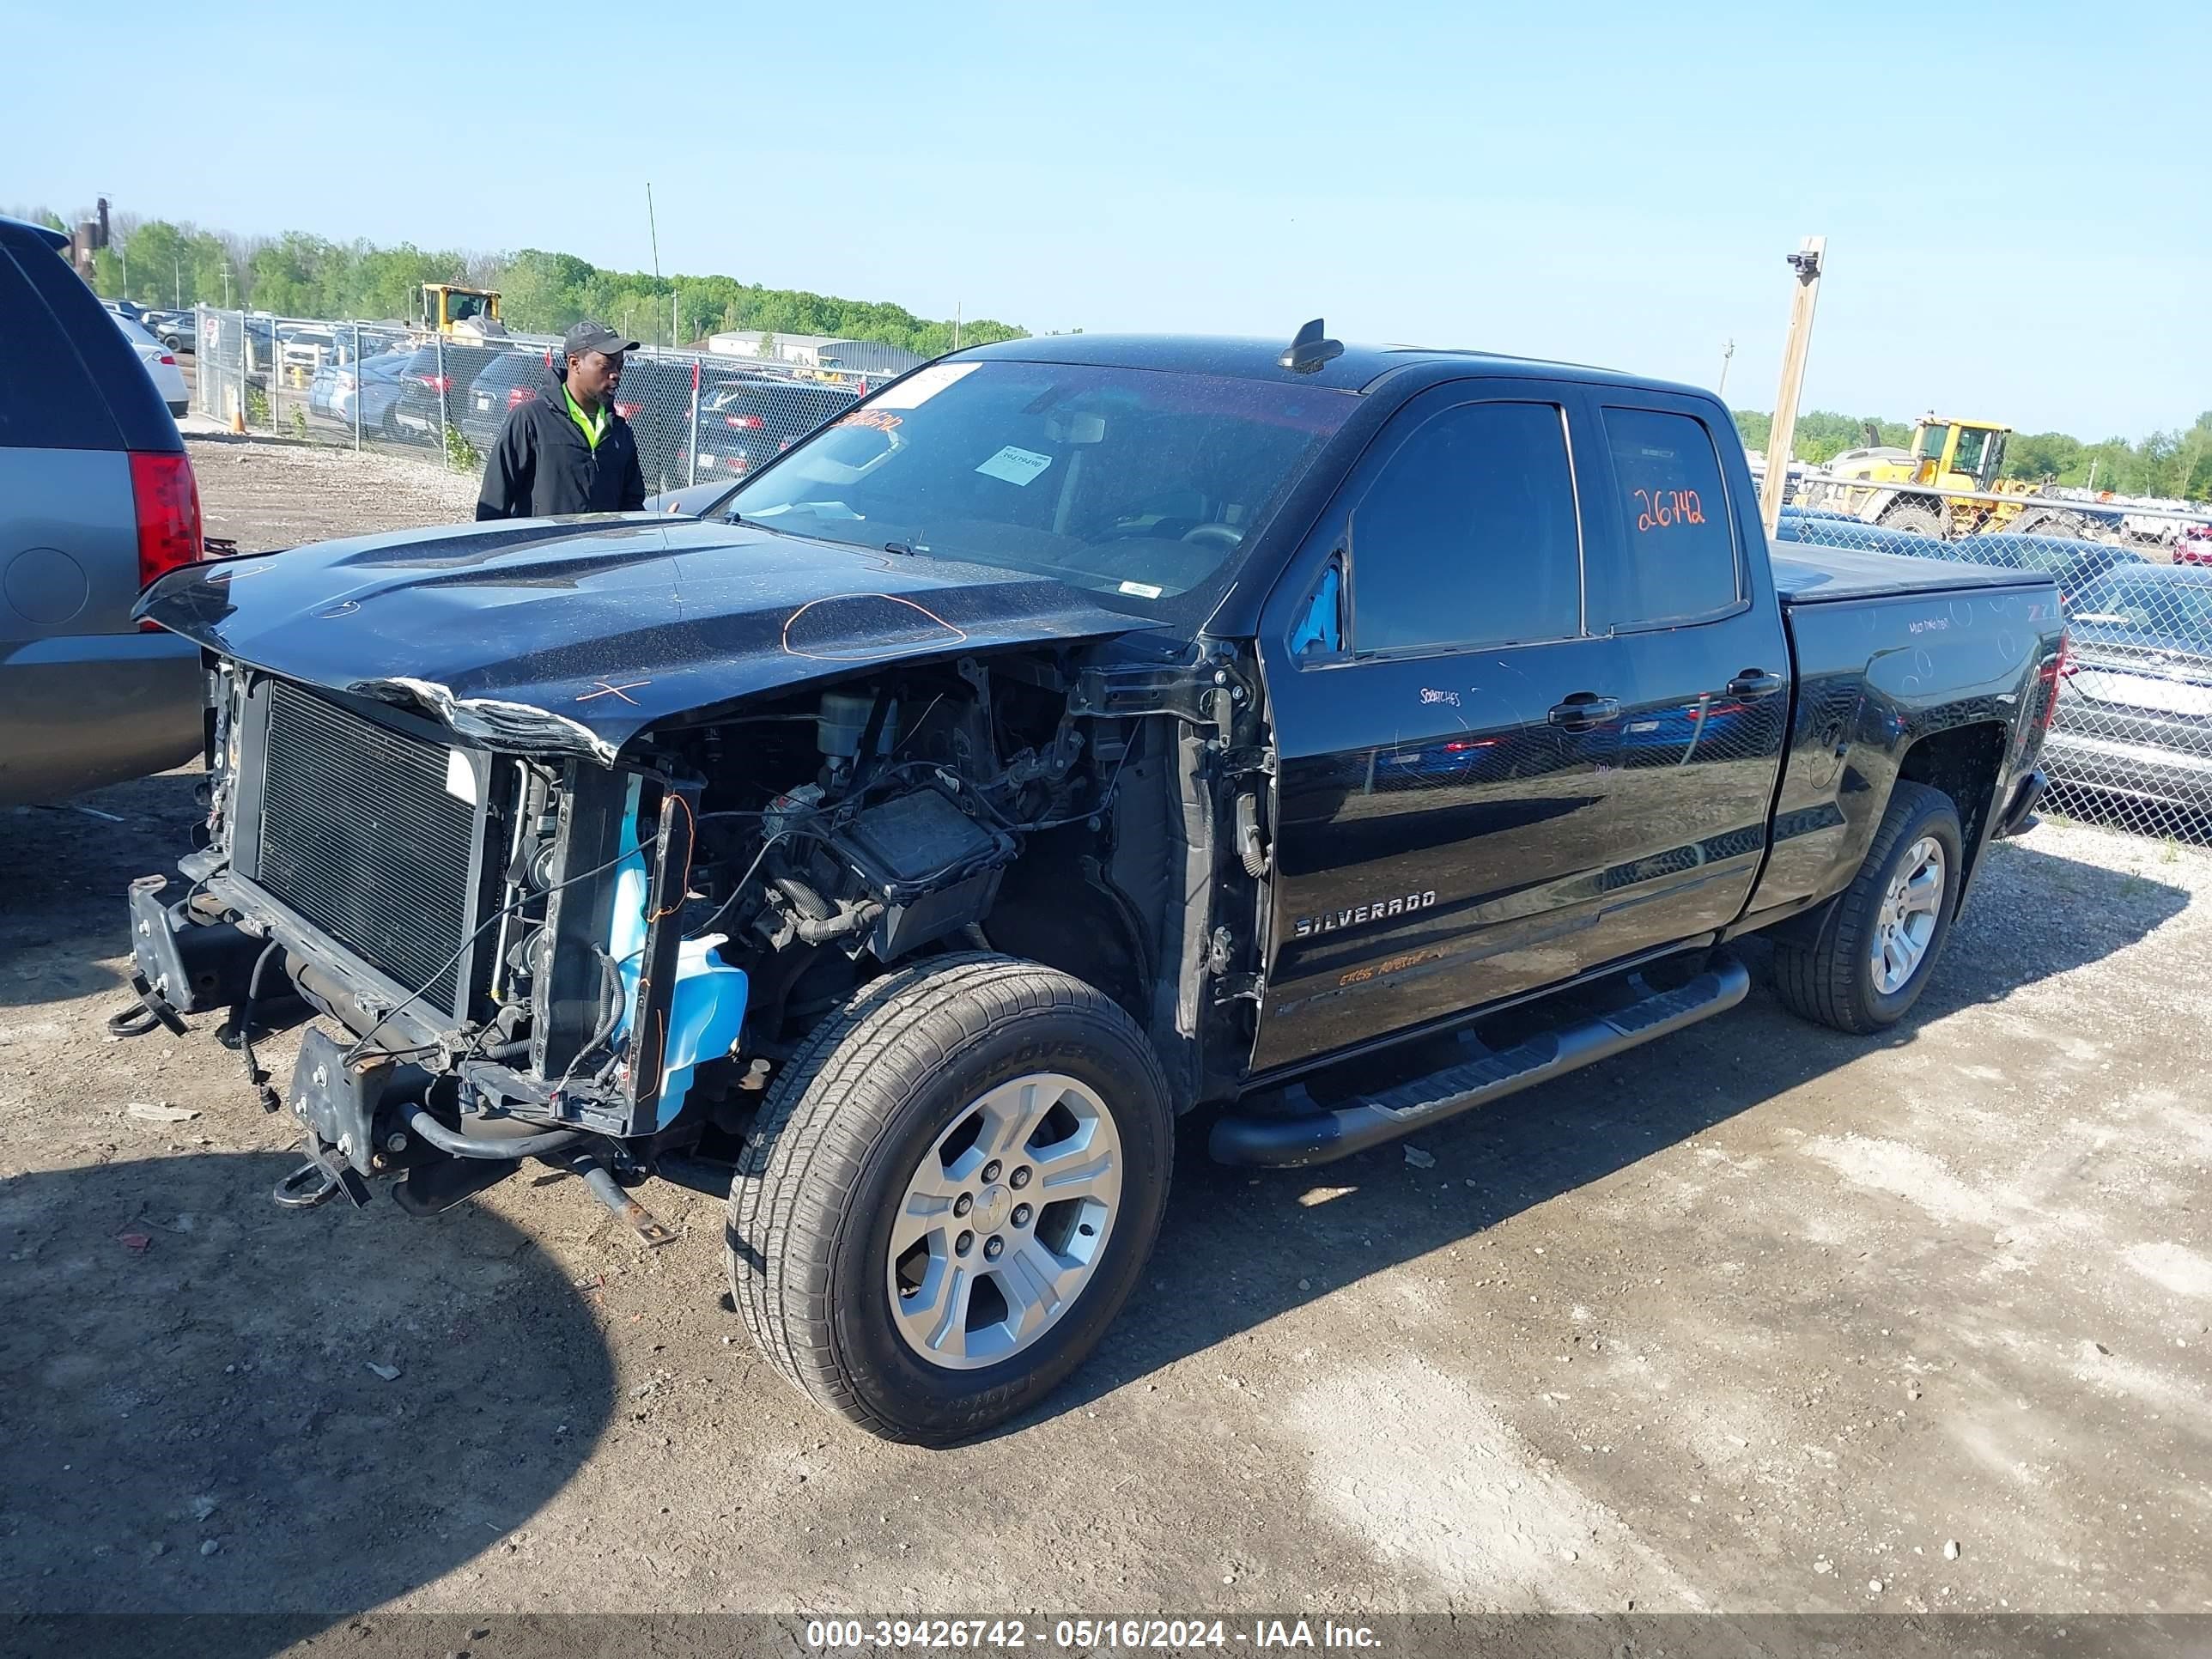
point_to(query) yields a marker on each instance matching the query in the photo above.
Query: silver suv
(96, 500)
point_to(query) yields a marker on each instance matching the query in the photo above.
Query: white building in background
(815, 351)
(802, 348)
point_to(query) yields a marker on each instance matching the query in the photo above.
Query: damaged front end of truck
(651, 803)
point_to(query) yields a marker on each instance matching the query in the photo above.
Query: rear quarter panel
(86, 699)
(69, 543)
(1876, 675)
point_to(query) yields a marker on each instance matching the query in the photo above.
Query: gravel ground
(266, 493)
(1762, 1319)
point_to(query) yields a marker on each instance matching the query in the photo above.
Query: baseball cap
(588, 335)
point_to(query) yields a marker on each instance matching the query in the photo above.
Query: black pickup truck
(1075, 733)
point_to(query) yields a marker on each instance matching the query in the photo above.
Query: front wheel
(1880, 939)
(951, 1190)
(1914, 518)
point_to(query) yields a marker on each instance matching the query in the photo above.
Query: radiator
(362, 833)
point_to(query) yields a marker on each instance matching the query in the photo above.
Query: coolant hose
(461, 1145)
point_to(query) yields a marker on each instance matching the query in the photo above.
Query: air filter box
(932, 867)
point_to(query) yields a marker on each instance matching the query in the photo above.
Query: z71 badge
(1329, 922)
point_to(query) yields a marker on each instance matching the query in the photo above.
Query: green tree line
(161, 262)
(2171, 464)
(157, 262)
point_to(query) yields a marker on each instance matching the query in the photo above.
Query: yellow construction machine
(450, 308)
(1897, 489)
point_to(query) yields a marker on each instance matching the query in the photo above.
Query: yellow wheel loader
(1897, 489)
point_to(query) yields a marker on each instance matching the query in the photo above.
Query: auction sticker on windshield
(919, 387)
(1016, 467)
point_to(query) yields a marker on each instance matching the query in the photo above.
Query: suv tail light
(519, 395)
(166, 498)
(169, 359)
(745, 423)
(435, 382)
(628, 411)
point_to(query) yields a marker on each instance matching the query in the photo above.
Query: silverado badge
(1328, 921)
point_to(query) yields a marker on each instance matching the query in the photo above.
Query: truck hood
(573, 636)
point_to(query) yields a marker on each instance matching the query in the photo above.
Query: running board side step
(1289, 1140)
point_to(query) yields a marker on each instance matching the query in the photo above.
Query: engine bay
(647, 942)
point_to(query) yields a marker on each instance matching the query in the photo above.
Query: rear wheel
(951, 1192)
(1880, 939)
(2050, 524)
(1913, 518)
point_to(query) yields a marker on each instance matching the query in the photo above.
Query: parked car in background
(379, 384)
(509, 379)
(758, 418)
(177, 330)
(123, 308)
(2135, 704)
(435, 388)
(97, 499)
(161, 367)
(301, 351)
(2071, 563)
(1838, 530)
(2193, 545)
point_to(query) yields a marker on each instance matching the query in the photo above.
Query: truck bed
(1806, 574)
(1813, 573)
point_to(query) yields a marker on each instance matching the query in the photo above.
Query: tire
(2051, 524)
(1834, 980)
(1913, 518)
(866, 1115)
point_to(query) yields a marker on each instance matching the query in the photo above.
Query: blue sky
(1606, 184)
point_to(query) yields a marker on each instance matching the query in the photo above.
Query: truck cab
(1958, 454)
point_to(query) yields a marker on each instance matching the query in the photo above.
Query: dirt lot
(1762, 1319)
(264, 495)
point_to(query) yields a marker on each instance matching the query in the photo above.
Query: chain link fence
(697, 416)
(2132, 743)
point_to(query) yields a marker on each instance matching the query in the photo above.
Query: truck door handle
(1583, 710)
(1755, 683)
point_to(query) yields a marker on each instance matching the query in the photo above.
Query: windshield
(1133, 482)
(2177, 613)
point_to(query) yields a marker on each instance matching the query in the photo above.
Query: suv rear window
(48, 399)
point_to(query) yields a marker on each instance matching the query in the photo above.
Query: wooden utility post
(1807, 263)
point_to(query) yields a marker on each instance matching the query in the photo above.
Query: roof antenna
(1311, 350)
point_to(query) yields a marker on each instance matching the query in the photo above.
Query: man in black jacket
(567, 450)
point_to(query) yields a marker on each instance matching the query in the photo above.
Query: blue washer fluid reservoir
(707, 1006)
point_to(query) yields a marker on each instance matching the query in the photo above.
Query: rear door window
(48, 399)
(1468, 535)
(1681, 562)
